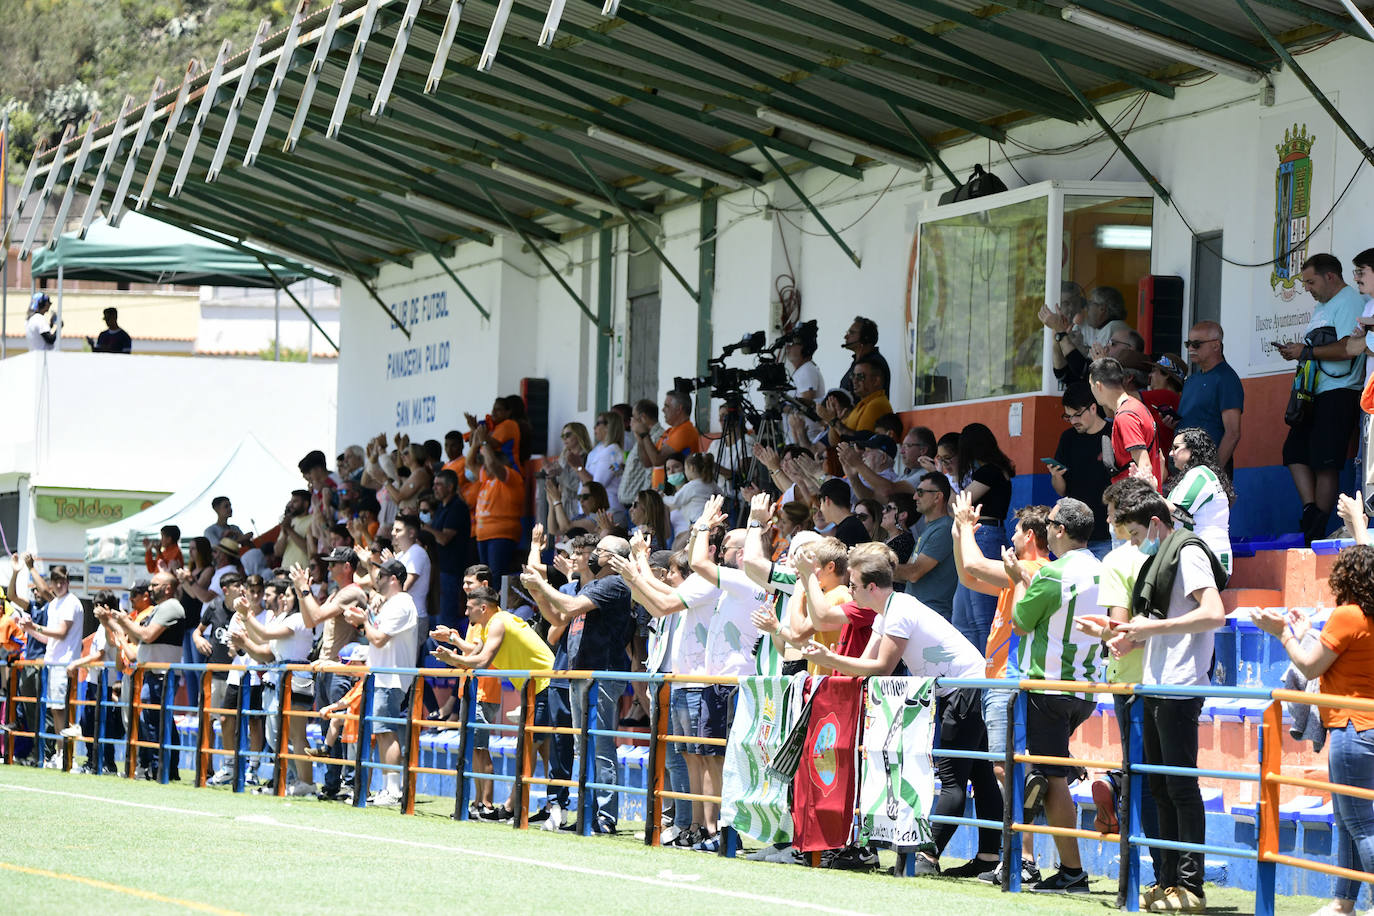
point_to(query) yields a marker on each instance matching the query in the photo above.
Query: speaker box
(535, 391)
(1161, 314)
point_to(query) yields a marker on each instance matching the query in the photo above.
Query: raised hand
(713, 514)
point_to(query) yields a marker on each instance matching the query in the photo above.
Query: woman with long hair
(984, 472)
(788, 519)
(1201, 488)
(606, 461)
(406, 493)
(898, 515)
(688, 500)
(1342, 655)
(648, 511)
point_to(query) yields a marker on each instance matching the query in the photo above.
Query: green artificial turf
(209, 850)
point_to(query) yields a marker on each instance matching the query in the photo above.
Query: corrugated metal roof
(681, 80)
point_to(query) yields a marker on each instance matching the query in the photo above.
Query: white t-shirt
(66, 650)
(417, 561)
(1182, 659)
(1368, 341)
(731, 637)
(934, 648)
(687, 653)
(296, 647)
(807, 377)
(34, 329)
(688, 502)
(606, 463)
(396, 617)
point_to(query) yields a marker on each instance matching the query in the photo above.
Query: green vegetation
(101, 844)
(62, 60)
(288, 354)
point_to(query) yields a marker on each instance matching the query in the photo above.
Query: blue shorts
(995, 717)
(685, 717)
(389, 703)
(717, 714)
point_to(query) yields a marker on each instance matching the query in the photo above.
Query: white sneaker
(300, 789)
(669, 834)
(555, 820)
(223, 776)
(72, 731)
(385, 799)
(54, 762)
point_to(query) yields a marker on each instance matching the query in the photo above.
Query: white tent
(255, 481)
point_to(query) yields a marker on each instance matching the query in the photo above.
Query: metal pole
(276, 323)
(5, 215)
(310, 329)
(1359, 17)
(57, 324)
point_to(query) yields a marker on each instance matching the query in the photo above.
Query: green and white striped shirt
(1201, 494)
(1054, 649)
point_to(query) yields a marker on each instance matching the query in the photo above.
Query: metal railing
(1269, 776)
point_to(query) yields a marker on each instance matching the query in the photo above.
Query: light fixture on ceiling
(838, 140)
(451, 214)
(498, 28)
(1142, 38)
(548, 184)
(1131, 238)
(551, 23)
(682, 164)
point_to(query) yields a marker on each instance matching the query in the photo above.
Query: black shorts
(1050, 721)
(1323, 442)
(717, 715)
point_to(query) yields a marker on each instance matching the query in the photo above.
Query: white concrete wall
(1212, 147)
(114, 423)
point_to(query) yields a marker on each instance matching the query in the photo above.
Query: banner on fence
(754, 799)
(898, 786)
(827, 778)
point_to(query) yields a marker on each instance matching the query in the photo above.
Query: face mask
(594, 564)
(677, 480)
(1150, 546)
(426, 518)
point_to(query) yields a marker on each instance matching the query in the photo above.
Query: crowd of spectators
(856, 545)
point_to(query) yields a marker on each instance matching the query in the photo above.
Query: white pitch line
(574, 869)
(112, 801)
(268, 821)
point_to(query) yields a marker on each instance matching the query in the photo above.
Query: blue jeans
(973, 611)
(333, 687)
(499, 554)
(561, 751)
(150, 718)
(607, 702)
(1351, 762)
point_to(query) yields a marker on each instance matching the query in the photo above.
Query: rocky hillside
(61, 60)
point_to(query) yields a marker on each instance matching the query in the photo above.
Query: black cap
(881, 442)
(342, 555)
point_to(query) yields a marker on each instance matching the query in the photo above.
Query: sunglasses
(925, 492)
(1194, 344)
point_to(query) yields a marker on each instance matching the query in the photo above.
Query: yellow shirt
(521, 649)
(865, 414)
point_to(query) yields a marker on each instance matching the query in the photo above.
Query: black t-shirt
(217, 616)
(116, 341)
(596, 640)
(851, 531)
(902, 545)
(847, 380)
(452, 557)
(997, 500)
(1087, 476)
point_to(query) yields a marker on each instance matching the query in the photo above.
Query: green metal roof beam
(1106, 128)
(1351, 134)
(429, 246)
(1177, 25)
(1047, 49)
(1317, 15)
(801, 195)
(371, 292)
(953, 77)
(822, 72)
(182, 222)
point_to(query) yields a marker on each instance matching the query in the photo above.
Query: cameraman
(807, 382)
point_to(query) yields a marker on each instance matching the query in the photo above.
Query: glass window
(1107, 244)
(980, 283)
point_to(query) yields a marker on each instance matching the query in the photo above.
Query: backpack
(979, 184)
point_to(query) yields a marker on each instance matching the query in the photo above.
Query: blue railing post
(362, 776)
(164, 725)
(1016, 776)
(463, 788)
(40, 749)
(1135, 789)
(97, 753)
(586, 770)
(241, 732)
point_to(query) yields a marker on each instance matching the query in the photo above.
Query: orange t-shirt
(999, 637)
(500, 504)
(11, 634)
(1350, 634)
(469, 490)
(681, 438)
(170, 556)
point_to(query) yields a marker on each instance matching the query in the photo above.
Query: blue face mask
(677, 480)
(1150, 546)
(426, 518)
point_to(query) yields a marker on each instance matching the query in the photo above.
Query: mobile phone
(1050, 462)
